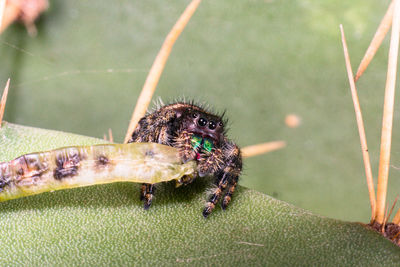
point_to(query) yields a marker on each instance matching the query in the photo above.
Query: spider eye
(202, 122)
(195, 115)
(220, 124)
(212, 125)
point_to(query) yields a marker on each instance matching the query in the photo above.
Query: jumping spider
(199, 135)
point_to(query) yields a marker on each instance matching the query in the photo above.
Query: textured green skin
(106, 224)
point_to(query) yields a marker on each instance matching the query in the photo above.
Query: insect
(71, 167)
(198, 135)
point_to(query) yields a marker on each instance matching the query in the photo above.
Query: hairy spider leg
(229, 192)
(185, 144)
(216, 195)
(143, 191)
(146, 194)
(228, 177)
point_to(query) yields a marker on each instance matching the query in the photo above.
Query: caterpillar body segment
(79, 166)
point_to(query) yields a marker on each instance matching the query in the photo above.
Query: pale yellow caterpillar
(79, 166)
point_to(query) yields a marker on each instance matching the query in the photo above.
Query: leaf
(103, 225)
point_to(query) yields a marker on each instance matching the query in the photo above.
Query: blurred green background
(258, 59)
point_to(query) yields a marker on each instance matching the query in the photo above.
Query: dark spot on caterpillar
(150, 153)
(30, 160)
(60, 173)
(34, 163)
(34, 168)
(102, 160)
(67, 166)
(19, 167)
(3, 184)
(5, 177)
(20, 171)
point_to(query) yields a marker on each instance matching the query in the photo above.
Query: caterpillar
(79, 166)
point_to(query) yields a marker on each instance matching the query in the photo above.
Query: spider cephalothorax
(199, 135)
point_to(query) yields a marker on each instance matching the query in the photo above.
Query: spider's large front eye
(212, 125)
(202, 122)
